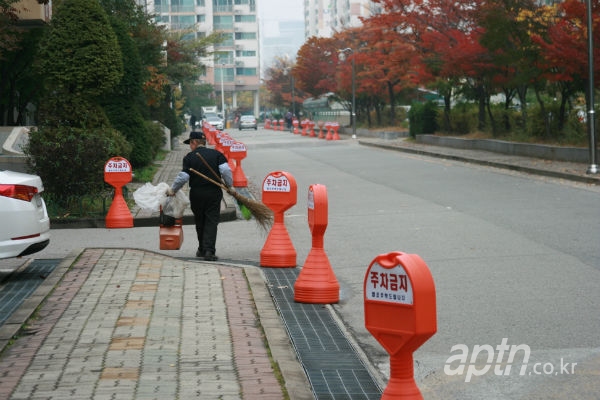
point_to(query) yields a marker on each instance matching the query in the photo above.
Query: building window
(245, 53)
(227, 40)
(182, 21)
(223, 22)
(182, 5)
(223, 5)
(245, 36)
(245, 18)
(223, 57)
(226, 72)
(246, 72)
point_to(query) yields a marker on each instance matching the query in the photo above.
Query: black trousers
(205, 203)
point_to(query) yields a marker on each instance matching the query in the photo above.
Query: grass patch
(146, 174)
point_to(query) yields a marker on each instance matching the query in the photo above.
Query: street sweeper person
(205, 197)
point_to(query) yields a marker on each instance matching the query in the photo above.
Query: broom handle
(210, 168)
(209, 179)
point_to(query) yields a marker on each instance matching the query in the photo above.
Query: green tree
(19, 83)
(183, 70)
(125, 105)
(81, 60)
(197, 96)
(80, 55)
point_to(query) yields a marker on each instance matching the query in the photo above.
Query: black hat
(194, 135)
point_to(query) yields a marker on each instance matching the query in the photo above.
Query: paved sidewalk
(133, 324)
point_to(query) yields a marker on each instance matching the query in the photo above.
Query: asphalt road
(513, 257)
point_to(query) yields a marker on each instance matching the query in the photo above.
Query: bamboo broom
(260, 212)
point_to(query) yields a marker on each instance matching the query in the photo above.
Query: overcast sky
(280, 10)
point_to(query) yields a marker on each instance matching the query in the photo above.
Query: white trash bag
(176, 205)
(152, 198)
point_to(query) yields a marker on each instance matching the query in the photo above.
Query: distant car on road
(216, 122)
(248, 122)
(25, 227)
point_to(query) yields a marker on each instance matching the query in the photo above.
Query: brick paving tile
(255, 373)
(25, 350)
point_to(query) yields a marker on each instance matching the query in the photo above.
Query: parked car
(25, 227)
(248, 122)
(216, 122)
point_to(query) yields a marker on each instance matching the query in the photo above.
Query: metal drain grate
(333, 367)
(21, 284)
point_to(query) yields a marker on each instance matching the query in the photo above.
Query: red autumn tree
(514, 56)
(279, 80)
(445, 36)
(316, 65)
(382, 61)
(566, 40)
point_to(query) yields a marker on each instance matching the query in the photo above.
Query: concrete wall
(558, 153)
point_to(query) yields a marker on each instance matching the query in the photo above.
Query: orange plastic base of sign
(278, 250)
(402, 383)
(171, 237)
(118, 215)
(239, 178)
(316, 282)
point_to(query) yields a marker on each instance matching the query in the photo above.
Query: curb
(25, 311)
(228, 213)
(513, 167)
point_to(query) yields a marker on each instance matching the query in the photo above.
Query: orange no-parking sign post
(279, 193)
(238, 152)
(400, 312)
(118, 173)
(316, 282)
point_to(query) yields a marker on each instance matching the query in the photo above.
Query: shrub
(423, 118)
(463, 118)
(71, 160)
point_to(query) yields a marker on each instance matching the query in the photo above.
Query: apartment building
(235, 67)
(323, 18)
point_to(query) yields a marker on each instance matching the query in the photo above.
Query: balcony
(30, 12)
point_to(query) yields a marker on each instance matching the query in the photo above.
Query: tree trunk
(391, 95)
(447, 104)
(522, 93)
(480, 95)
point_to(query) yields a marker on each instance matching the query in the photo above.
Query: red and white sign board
(277, 182)
(389, 285)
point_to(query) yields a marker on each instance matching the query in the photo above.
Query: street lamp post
(223, 94)
(293, 97)
(591, 120)
(344, 51)
(287, 71)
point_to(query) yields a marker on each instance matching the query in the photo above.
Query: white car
(25, 226)
(216, 122)
(248, 121)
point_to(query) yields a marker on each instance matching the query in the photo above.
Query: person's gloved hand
(170, 192)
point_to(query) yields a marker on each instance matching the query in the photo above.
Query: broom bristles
(261, 213)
